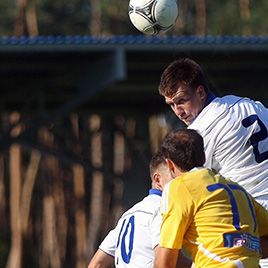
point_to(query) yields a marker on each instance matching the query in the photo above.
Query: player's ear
(156, 180)
(171, 167)
(201, 92)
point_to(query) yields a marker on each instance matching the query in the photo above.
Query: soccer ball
(153, 16)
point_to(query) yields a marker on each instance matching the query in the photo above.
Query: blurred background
(103, 17)
(80, 114)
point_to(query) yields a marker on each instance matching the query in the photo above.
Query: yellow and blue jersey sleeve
(213, 218)
(176, 219)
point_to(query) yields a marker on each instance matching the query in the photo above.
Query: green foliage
(7, 16)
(66, 17)
(259, 18)
(223, 17)
(71, 17)
(115, 17)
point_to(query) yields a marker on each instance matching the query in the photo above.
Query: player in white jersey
(136, 236)
(234, 129)
(217, 222)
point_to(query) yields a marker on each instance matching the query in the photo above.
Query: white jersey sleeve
(235, 132)
(139, 234)
(108, 245)
(136, 234)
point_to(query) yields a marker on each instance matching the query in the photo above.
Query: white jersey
(235, 132)
(136, 234)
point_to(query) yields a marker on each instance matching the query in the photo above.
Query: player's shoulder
(225, 101)
(233, 100)
(216, 112)
(195, 181)
(197, 177)
(148, 205)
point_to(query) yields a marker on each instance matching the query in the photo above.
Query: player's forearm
(100, 265)
(101, 260)
(165, 258)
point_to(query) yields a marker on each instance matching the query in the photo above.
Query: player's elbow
(101, 260)
(99, 264)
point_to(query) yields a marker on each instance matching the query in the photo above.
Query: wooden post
(3, 220)
(27, 189)
(95, 211)
(14, 258)
(31, 18)
(80, 217)
(201, 17)
(97, 182)
(50, 247)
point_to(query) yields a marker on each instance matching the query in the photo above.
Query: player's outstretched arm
(264, 246)
(101, 260)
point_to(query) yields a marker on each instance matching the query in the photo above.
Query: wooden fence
(63, 186)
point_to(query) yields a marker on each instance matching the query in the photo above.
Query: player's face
(187, 103)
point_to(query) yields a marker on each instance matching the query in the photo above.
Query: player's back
(138, 233)
(217, 218)
(235, 133)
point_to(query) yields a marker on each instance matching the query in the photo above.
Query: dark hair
(156, 161)
(185, 147)
(182, 72)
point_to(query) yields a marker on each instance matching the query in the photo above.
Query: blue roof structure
(124, 70)
(133, 40)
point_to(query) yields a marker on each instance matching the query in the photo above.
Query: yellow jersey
(214, 219)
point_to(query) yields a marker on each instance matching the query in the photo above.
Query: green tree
(62, 17)
(110, 17)
(7, 17)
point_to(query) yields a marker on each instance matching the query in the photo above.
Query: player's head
(184, 86)
(159, 171)
(184, 149)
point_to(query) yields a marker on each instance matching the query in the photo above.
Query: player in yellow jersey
(214, 219)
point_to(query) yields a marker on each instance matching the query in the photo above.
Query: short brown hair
(182, 72)
(185, 147)
(157, 160)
